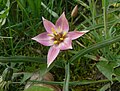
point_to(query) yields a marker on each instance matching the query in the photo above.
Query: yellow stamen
(50, 35)
(53, 30)
(64, 34)
(61, 39)
(55, 42)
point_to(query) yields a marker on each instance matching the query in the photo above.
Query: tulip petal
(66, 44)
(48, 25)
(52, 54)
(43, 39)
(76, 34)
(62, 23)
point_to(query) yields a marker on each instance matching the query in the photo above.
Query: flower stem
(67, 77)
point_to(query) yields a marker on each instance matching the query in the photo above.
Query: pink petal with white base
(48, 25)
(52, 54)
(66, 44)
(62, 23)
(43, 39)
(76, 34)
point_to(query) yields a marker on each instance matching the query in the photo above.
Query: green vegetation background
(95, 56)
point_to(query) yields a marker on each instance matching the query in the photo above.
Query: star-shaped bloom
(57, 36)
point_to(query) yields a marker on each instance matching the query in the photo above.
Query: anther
(55, 42)
(61, 38)
(53, 30)
(64, 34)
(50, 35)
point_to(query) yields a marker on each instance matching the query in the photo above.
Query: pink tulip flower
(57, 36)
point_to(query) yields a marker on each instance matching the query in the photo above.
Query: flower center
(58, 37)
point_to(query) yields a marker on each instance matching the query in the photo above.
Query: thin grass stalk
(106, 50)
(11, 39)
(104, 2)
(93, 12)
(52, 2)
(66, 5)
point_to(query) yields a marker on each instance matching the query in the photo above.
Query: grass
(22, 20)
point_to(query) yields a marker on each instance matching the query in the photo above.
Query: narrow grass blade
(49, 10)
(82, 3)
(95, 47)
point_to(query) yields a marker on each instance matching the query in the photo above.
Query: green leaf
(39, 88)
(107, 68)
(25, 77)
